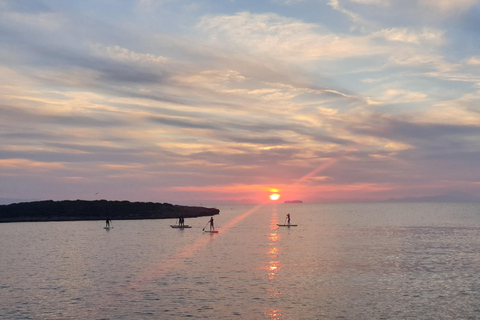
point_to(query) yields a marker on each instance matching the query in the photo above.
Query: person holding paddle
(287, 222)
(212, 228)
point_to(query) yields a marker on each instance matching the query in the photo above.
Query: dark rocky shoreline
(77, 210)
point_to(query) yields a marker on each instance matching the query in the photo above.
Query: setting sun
(274, 196)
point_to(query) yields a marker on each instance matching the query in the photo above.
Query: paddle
(205, 226)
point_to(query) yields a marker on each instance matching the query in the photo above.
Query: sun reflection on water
(273, 236)
(273, 251)
(274, 314)
(273, 266)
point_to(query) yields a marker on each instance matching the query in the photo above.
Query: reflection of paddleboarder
(211, 224)
(288, 218)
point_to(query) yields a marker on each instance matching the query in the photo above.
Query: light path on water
(159, 270)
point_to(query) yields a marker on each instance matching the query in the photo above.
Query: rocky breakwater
(76, 210)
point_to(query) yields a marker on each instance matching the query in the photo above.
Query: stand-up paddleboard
(208, 231)
(179, 227)
(107, 228)
(286, 225)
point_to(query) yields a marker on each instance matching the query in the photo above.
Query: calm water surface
(343, 261)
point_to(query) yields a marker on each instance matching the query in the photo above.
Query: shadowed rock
(97, 210)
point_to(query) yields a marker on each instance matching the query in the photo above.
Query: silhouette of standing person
(107, 223)
(288, 218)
(212, 228)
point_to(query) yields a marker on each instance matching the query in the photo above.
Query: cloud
(122, 54)
(425, 36)
(374, 2)
(426, 136)
(27, 165)
(473, 61)
(55, 115)
(429, 62)
(183, 123)
(404, 96)
(298, 43)
(448, 7)
(284, 38)
(335, 4)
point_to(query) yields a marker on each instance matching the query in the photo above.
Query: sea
(341, 261)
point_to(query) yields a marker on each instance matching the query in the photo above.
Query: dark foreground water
(343, 261)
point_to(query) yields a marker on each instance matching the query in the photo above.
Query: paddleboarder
(212, 228)
(288, 218)
(107, 223)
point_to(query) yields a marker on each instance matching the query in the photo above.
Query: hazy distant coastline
(449, 197)
(68, 210)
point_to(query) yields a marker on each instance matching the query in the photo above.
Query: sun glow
(274, 196)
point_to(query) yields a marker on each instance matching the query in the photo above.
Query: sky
(214, 102)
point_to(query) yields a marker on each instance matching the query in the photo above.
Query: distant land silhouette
(74, 210)
(293, 201)
(449, 197)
